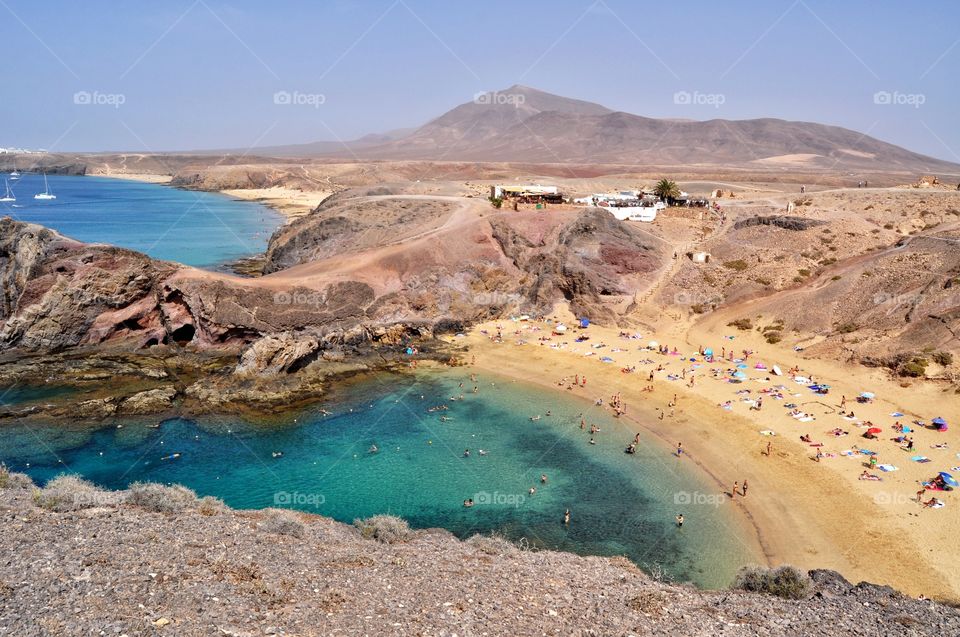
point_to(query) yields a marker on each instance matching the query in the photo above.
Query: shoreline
(289, 203)
(810, 514)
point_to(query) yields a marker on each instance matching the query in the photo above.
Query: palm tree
(666, 189)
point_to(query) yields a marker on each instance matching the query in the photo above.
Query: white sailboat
(8, 195)
(14, 175)
(46, 194)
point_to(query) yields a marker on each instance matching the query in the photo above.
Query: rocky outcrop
(780, 221)
(199, 568)
(278, 353)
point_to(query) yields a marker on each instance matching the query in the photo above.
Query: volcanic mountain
(522, 124)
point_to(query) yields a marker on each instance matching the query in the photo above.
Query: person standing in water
(679, 520)
(566, 517)
(679, 449)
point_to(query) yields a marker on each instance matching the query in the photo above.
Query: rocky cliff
(156, 560)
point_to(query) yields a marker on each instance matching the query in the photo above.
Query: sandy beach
(810, 512)
(144, 177)
(289, 202)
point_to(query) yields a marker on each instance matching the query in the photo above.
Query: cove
(200, 229)
(620, 504)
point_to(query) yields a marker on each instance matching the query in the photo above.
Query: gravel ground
(206, 570)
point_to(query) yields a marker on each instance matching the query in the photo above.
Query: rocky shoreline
(157, 560)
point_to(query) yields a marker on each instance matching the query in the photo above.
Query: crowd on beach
(806, 401)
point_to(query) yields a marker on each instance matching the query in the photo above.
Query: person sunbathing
(933, 502)
(866, 475)
(806, 438)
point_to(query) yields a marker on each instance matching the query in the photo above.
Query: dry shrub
(160, 498)
(384, 528)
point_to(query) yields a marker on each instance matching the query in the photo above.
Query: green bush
(915, 368)
(943, 358)
(739, 265)
(497, 202)
(787, 582)
(384, 528)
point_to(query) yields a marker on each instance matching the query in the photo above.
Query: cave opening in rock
(183, 334)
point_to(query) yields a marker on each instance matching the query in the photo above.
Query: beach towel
(896, 414)
(920, 459)
(768, 432)
(887, 467)
(806, 419)
(849, 453)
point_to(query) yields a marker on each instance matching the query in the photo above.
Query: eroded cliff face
(374, 270)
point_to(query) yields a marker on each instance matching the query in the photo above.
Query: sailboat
(46, 194)
(8, 196)
(14, 175)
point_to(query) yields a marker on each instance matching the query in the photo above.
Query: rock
(150, 401)
(278, 353)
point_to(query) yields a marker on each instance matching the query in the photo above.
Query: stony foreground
(120, 569)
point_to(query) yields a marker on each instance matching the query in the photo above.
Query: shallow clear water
(620, 504)
(195, 228)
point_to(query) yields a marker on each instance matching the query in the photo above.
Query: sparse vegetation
(785, 581)
(762, 281)
(739, 265)
(914, 368)
(803, 272)
(210, 505)
(496, 202)
(71, 493)
(847, 328)
(743, 324)
(493, 544)
(160, 498)
(282, 522)
(11, 480)
(943, 358)
(384, 528)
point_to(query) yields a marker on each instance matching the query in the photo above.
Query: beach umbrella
(742, 366)
(868, 394)
(739, 375)
(949, 479)
(776, 370)
(708, 352)
(939, 421)
(584, 322)
(906, 429)
(874, 430)
(653, 344)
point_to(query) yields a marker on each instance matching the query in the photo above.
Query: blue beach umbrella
(742, 366)
(708, 352)
(947, 478)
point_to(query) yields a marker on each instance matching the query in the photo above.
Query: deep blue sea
(200, 229)
(620, 504)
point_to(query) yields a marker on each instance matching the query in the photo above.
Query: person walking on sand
(744, 492)
(679, 520)
(769, 448)
(733, 492)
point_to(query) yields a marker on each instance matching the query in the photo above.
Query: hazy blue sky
(203, 73)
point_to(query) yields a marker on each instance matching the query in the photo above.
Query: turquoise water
(195, 228)
(620, 504)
